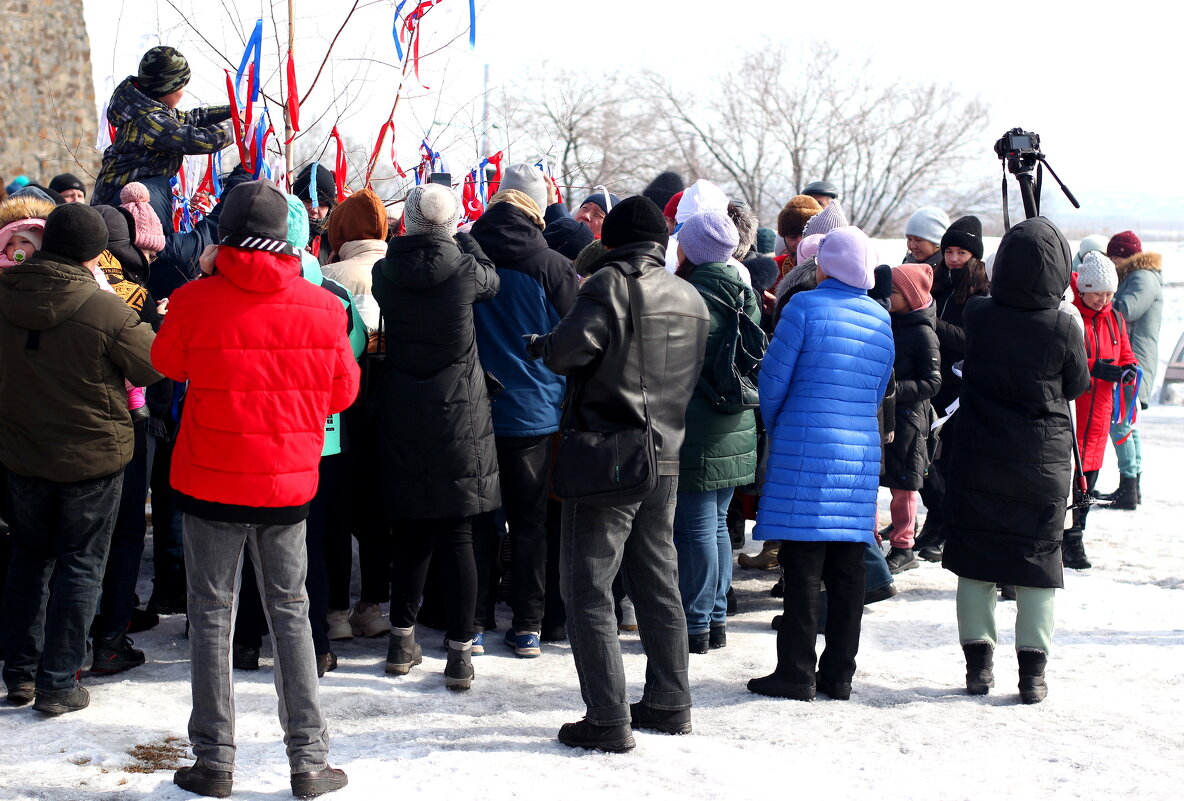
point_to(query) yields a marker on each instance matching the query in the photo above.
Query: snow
(1109, 728)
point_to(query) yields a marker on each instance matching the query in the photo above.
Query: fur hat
(635, 219)
(75, 231)
(431, 209)
(149, 231)
(827, 220)
(846, 255)
(162, 71)
(928, 223)
(362, 215)
(965, 233)
(1097, 274)
(24, 215)
(763, 271)
(708, 237)
(1123, 245)
(914, 282)
(664, 187)
(527, 179)
(702, 195)
(792, 219)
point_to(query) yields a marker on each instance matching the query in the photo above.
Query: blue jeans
(60, 536)
(704, 556)
(596, 542)
(214, 554)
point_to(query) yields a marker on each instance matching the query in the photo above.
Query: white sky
(1097, 81)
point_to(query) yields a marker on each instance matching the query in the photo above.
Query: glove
(528, 341)
(1130, 373)
(1106, 371)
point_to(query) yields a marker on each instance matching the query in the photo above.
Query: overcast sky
(1099, 82)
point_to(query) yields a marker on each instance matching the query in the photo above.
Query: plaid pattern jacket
(151, 140)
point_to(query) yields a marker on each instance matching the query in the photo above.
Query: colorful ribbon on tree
(471, 196)
(293, 99)
(340, 165)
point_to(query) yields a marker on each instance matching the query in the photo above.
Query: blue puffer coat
(822, 380)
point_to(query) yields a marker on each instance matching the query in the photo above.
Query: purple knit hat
(846, 255)
(708, 237)
(827, 220)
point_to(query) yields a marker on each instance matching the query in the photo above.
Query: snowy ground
(1109, 729)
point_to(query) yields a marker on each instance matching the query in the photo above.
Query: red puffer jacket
(267, 360)
(1105, 338)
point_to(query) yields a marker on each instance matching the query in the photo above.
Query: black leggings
(415, 543)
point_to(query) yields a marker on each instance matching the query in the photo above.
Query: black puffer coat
(438, 455)
(918, 378)
(1012, 463)
(949, 331)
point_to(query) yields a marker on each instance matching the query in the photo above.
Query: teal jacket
(720, 449)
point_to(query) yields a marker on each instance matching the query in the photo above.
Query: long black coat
(438, 454)
(918, 378)
(949, 331)
(1012, 463)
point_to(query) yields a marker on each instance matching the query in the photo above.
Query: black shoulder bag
(373, 364)
(729, 383)
(613, 468)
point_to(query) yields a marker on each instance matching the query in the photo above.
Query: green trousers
(1035, 618)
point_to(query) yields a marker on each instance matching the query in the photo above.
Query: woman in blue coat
(822, 381)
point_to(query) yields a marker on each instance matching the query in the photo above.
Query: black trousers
(523, 464)
(807, 564)
(416, 544)
(127, 544)
(367, 521)
(168, 551)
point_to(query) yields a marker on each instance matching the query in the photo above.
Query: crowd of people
(572, 413)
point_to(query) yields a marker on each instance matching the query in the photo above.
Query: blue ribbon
(260, 131)
(252, 56)
(472, 24)
(1129, 417)
(312, 185)
(395, 30)
(216, 174)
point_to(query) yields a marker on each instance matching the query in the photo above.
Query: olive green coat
(720, 449)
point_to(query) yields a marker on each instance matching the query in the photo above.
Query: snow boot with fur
(980, 667)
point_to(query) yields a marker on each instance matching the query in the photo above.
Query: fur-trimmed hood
(22, 208)
(1139, 261)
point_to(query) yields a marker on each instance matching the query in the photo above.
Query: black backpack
(730, 381)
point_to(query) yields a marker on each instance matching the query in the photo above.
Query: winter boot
(244, 657)
(775, 686)
(367, 620)
(458, 671)
(1073, 550)
(980, 664)
(1006, 591)
(586, 734)
(1139, 489)
(1126, 497)
(200, 780)
(313, 783)
(765, 560)
(403, 653)
(1033, 688)
(666, 721)
(901, 559)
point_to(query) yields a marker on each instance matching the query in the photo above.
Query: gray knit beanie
(431, 209)
(928, 223)
(527, 179)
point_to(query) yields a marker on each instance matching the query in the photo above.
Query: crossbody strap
(635, 315)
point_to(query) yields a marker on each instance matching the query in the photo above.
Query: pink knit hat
(149, 231)
(914, 282)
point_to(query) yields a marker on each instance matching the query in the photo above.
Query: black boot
(1073, 550)
(1138, 489)
(1033, 688)
(116, 655)
(980, 667)
(1126, 497)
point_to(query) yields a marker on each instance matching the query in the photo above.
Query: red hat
(671, 207)
(1123, 245)
(914, 282)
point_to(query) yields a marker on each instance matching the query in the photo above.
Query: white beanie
(527, 179)
(431, 209)
(1097, 274)
(1096, 242)
(700, 196)
(928, 223)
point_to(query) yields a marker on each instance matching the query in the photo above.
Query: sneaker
(61, 703)
(644, 716)
(325, 663)
(367, 620)
(199, 779)
(115, 655)
(21, 694)
(244, 657)
(901, 559)
(312, 783)
(339, 626)
(526, 644)
(584, 734)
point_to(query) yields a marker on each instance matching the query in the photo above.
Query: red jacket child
(267, 360)
(1111, 359)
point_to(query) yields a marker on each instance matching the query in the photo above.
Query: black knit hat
(965, 233)
(61, 183)
(664, 187)
(255, 215)
(75, 231)
(634, 219)
(162, 71)
(326, 185)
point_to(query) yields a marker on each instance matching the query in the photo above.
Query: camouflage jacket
(151, 140)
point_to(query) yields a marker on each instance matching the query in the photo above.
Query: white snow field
(1110, 728)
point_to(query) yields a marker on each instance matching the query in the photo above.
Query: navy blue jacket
(538, 287)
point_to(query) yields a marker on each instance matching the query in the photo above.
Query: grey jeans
(638, 540)
(214, 553)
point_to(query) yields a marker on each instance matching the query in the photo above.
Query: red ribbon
(236, 122)
(411, 28)
(340, 165)
(496, 180)
(474, 208)
(293, 99)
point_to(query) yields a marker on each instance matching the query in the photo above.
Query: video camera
(1019, 150)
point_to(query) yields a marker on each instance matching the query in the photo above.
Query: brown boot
(765, 560)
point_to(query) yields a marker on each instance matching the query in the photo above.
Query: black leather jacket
(593, 345)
